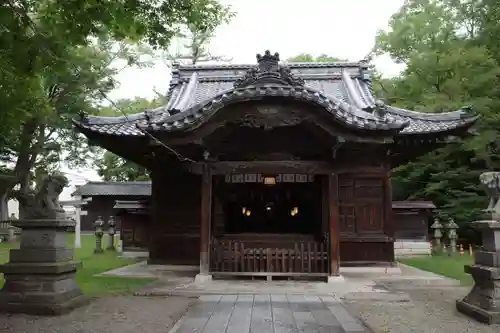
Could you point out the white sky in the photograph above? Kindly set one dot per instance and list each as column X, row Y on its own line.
column 340, row 28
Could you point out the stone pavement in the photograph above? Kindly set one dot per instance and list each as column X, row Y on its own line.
column 268, row 313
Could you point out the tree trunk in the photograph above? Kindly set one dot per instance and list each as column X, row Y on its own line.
column 29, row 148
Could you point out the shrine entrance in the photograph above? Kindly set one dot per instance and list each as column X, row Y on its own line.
column 269, row 225
column 275, row 207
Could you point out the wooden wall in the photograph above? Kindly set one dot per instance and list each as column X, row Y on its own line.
column 365, row 219
column 134, row 231
column 175, row 217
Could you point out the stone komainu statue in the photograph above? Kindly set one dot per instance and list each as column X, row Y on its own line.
column 44, row 204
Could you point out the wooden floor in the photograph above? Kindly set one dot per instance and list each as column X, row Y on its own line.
column 268, row 313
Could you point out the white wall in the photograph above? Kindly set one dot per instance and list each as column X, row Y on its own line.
column 13, row 207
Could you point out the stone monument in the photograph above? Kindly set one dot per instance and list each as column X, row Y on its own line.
column 40, row 275
column 483, row 301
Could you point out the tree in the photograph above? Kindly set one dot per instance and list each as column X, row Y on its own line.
column 56, row 60
column 448, row 65
column 36, row 35
column 46, row 136
column 305, row 57
column 192, row 46
column 112, row 167
column 193, row 49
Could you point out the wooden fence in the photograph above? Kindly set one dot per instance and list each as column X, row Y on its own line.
column 242, row 258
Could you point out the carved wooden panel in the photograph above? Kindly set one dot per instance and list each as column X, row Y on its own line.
column 361, row 204
column 259, row 178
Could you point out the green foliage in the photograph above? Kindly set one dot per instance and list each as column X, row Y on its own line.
column 305, row 57
column 112, row 167
column 448, row 51
column 58, row 58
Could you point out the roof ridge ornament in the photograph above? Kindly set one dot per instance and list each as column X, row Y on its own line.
column 268, row 70
column 380, row 109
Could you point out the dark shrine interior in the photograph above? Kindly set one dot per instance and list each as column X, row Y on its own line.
column 279, row 208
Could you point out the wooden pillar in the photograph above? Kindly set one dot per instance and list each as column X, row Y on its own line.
column 389, row 225
column 206, row 216
column 333, row 217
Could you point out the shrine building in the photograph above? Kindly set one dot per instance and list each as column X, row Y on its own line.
column 272, row 169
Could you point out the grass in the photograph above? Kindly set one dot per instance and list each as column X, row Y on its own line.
column 93, row 264
column 449, row 266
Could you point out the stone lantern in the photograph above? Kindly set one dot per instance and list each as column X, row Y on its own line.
column 483, row 301
column 111, row 233
column 98, row 234
column 438, row 233
column 452, row 227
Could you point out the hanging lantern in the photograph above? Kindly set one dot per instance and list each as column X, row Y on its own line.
column 243, row 210
column 248, row 212
column 269, row 180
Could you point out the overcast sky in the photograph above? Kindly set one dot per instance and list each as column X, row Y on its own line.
column 339, row 28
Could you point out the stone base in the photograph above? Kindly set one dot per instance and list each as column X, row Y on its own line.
column 40, row 275
column 336, row 279
column 40, row 294
column 481, row 315
column 202, row 278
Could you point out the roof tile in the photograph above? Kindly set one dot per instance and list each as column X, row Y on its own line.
column 136, row 188
column 344, row 89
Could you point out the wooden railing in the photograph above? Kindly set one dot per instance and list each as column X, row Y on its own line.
column 243, row 258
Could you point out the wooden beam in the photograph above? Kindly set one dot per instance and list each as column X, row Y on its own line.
column 206, row 216
column 277, row 167
column 334, row 231
column 271, row 167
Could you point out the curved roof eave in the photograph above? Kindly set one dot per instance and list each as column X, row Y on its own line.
column 343, row 112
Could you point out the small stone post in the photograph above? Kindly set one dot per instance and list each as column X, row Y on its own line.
column 438, row 234
column 111, row 233
column 11, row 235
column 98, row 234
column 452, row 227
column 483, row 301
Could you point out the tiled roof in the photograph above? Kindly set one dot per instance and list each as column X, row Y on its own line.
column 137, row 188
column 343, row 89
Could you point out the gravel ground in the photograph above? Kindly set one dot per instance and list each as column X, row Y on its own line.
column 412, row 309
column 130, row 314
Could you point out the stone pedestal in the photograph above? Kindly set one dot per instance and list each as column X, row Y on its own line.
column 40, row 276
column 11, row 235
column 483, row 301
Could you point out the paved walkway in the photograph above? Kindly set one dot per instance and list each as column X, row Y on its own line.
column 268, row 313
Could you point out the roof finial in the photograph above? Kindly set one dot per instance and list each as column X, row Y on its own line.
column 269, row 71
column 268, row 61
column 268, row 56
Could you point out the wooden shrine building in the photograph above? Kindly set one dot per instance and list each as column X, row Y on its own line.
column 272, row 169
